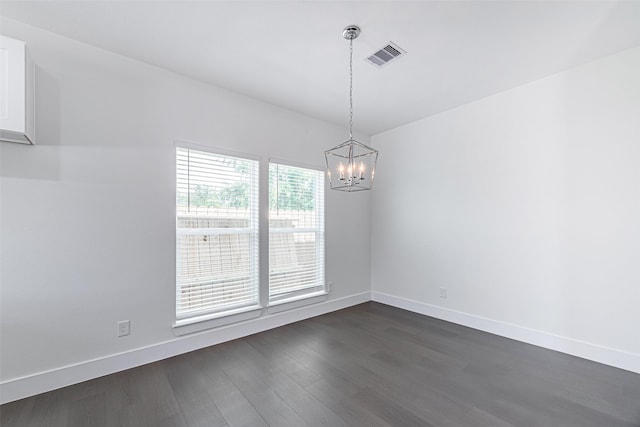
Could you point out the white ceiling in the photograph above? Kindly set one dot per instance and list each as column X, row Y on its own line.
column 292, row 54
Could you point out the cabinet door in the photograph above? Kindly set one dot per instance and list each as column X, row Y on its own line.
column 12, row 85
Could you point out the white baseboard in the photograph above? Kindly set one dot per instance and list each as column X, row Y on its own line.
column 41, row 382
column 585, row 350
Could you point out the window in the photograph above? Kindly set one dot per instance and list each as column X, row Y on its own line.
column 216, row 233
column 296, row 232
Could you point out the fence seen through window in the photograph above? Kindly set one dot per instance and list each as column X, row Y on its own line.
column 217, row 235
column 216, row 232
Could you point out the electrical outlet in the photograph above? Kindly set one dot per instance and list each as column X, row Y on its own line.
column 124, row 328
column 443, row 292
column 329, row 286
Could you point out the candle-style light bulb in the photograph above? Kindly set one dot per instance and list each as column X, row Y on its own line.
column 341, row 170
column 361, row 170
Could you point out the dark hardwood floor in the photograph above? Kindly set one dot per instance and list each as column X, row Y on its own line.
column 369, row 365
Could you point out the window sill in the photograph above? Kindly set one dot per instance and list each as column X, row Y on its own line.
column 215, row 320
column 295, row 302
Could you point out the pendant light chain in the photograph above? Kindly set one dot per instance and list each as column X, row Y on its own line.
column 351, row 88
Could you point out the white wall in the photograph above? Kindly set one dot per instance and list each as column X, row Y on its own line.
column 87, row 215
column 526, row 207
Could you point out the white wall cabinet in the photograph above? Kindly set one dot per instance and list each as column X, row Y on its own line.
column 17, row 92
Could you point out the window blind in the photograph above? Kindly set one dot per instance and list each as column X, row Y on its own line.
column 216, row 232
column 296, row 231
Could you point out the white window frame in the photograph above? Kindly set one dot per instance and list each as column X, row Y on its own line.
column 263, row 304
column 213, row 317
column 312, row 294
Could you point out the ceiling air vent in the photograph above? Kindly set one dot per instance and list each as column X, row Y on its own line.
column 387, row 54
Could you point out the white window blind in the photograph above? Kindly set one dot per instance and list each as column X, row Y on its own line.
column 296, row 231
column 216, row 232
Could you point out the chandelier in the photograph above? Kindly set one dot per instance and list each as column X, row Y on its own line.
column 351, row 166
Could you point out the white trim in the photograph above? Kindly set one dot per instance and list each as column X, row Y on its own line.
column 215, row 150
column 193, row 324
column 295, row 164
column 18, row 388
column 597, row 353
column 30, row 385
column 295, row 302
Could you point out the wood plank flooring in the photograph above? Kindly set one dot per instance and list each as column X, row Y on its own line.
column 368, row 365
